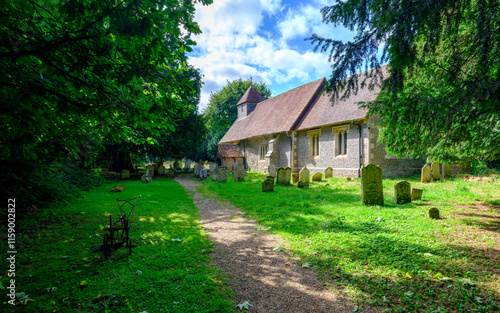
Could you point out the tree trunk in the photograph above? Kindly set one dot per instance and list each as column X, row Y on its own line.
column 119, row 161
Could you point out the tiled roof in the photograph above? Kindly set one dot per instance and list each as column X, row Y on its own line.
column 325, row 112
column 230, row 151
column 252, row 96
column 275, row 115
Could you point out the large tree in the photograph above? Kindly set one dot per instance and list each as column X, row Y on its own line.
column 221, row 112
column 442, row 97
column 80, row 71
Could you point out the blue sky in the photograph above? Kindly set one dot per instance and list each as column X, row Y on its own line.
column 262, row 39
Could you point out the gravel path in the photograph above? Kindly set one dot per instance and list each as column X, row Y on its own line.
column 269, row 280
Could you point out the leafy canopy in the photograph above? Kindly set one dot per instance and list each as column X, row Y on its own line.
column 221, row 111
column 78, row 71
column 442, row 96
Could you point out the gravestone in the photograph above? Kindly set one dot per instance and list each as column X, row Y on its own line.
column 125, row 174
column 328, row 172
column 288, row 174
column 280, row 176
column 226, row 170
column 416, row 194
column 187, row 166
column 197, row 168
column 295, row 178
column 176, row 166
column 161, row 170
column 426, row 174
column 301, row 184
column 436, row 175
column 239, row 172
column 213, row 167
column 317, row 177
column 271, row 170
column 151, row 170
column 213, row 174
column 446, row 170
column 268, row 184
column 304, row 176
column 402, row 192
column 222, row 174
column 371, row 185
column 434, row 213
column 203, row 174
column 148, row 176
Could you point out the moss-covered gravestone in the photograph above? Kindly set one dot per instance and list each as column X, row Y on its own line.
column 222, row 175
column 446, row 170
column 125, row 174
column 317, row 177
column 402, row 192
column 416, row 194
column 434, row 213
column 268, row 184
column 295, row 178
column 435, row 173
column 426, row 174
column 304, row 176
column 328, row 172
column 239, row 171
column 288, row 175
column 371, row 185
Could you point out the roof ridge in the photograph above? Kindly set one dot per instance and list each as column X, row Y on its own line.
column 251, row 95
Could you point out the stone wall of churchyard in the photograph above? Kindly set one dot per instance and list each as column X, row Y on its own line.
column 285, row 148
column 342, row 165
column 251, row 148
column 391, row 165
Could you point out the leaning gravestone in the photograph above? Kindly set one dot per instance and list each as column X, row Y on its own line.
column 239, row 172
column 402, row 192
column 288, row 173
column 203, row 174
column 371, row 185
column 426, row 174
column 317, row 177
column 271, row 170
column 125, row 174
column 416, row 194
column 328, row 172
column 436, row 175
column 446, row 170
column 280, row 176
column 222, row 175
column 161, row 170
column 268, row 184
column 304, row 176
column 197, row 168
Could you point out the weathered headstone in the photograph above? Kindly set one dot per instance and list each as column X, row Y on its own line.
column 434, row 213
column 280, row 176
column 187, row 166
column 426, row 174
column 125, row 174
column 226, row 170
column 436, row 175
column 295, row 178
column 446, row 170
column 317, row 176
column 304, row 176
column 268, row 184
column 301, row 184
column 161, row 170
column 328, row 172
column 213, row 167
column 222, row 175
column 402, row 192
column 239, row 171
column 214, row 173
column 197, row 168
column 151, row 170
column 203, row 174
column 271, row 170
column 371, row 185
column 416, row 194
column 288, row 174
column 148, row 176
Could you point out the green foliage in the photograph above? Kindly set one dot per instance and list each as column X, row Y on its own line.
column 77, row 72
column 170, row 269
column 442, row 95
column 221, row 112
column 393, row 256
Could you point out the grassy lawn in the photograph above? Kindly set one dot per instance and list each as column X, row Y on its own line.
column 169, row 270
column 395, row 257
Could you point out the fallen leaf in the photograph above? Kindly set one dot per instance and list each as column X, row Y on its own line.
column 245, row 305
column 306, row 265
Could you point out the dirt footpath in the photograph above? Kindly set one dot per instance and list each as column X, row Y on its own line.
column 268, row 280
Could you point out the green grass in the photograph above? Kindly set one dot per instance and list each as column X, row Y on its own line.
column 172, row 253
column 391, row 256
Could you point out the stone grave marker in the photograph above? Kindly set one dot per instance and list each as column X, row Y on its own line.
column 151, row 170
column 317, row 176
column 288, row 174
column 371, row 185
column 222, row 174
column 301, row 184
column 434, row 213
column 125, row 174
column 304, row 176
column 416, row 194
column 161, row 170
column 295, row 178
column 280, row 176
column 328, row 172
column 148, row 176
column 214, row 173
column 446, row 170
column 436, row 175
column 239, row 171
column 268, row 184
column 271, row 170
column 213, row 167
column 203, row 174
column 197, row 168
column 426, row 174
column 187, row 166
column 402, row 192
